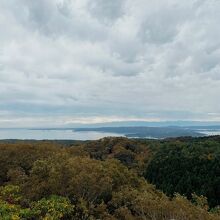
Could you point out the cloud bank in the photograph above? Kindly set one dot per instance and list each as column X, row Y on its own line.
column 67, row 61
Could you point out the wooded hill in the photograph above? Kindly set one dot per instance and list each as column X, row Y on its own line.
column 111, row 179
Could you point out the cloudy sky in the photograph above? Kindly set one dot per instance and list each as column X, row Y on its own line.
column 71, row 61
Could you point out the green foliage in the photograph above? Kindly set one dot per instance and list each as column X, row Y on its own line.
column 9, row 204
column 200, row 201
column 187, row 167
column 10, row 194
column 13, row 212
column 54, row 208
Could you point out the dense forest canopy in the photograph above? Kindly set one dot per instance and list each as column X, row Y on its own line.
column 110, row 179
column 187, row 167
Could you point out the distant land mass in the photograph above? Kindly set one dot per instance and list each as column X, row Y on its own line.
column 144, row 129
column 146, row 124
column 146, row 132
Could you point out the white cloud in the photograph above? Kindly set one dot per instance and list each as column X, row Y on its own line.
column 123, row 59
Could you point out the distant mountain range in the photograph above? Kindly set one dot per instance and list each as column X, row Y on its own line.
column 146, row 132
column 145, row 124
column 143, row 129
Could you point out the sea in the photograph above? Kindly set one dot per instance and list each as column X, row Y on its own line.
column 67, row 134
column 57, row 134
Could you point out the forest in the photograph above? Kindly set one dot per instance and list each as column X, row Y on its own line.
column 111, row 178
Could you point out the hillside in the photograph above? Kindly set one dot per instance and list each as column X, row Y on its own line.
column 110, row 179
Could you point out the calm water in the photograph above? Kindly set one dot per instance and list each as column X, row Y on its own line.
column 52, row 134
column 67, row 134
column 210, row 132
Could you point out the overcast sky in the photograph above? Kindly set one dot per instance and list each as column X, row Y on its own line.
column 71, row 61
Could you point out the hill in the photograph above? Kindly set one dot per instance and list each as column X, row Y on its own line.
column 110, row 179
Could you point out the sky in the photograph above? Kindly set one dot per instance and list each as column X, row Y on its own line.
column 91, row 61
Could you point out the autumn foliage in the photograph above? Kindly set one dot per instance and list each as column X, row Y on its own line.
column 89, row 180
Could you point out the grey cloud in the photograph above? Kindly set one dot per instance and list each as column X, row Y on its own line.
column 106, row 11
column 110, row 59
column 57, row 19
